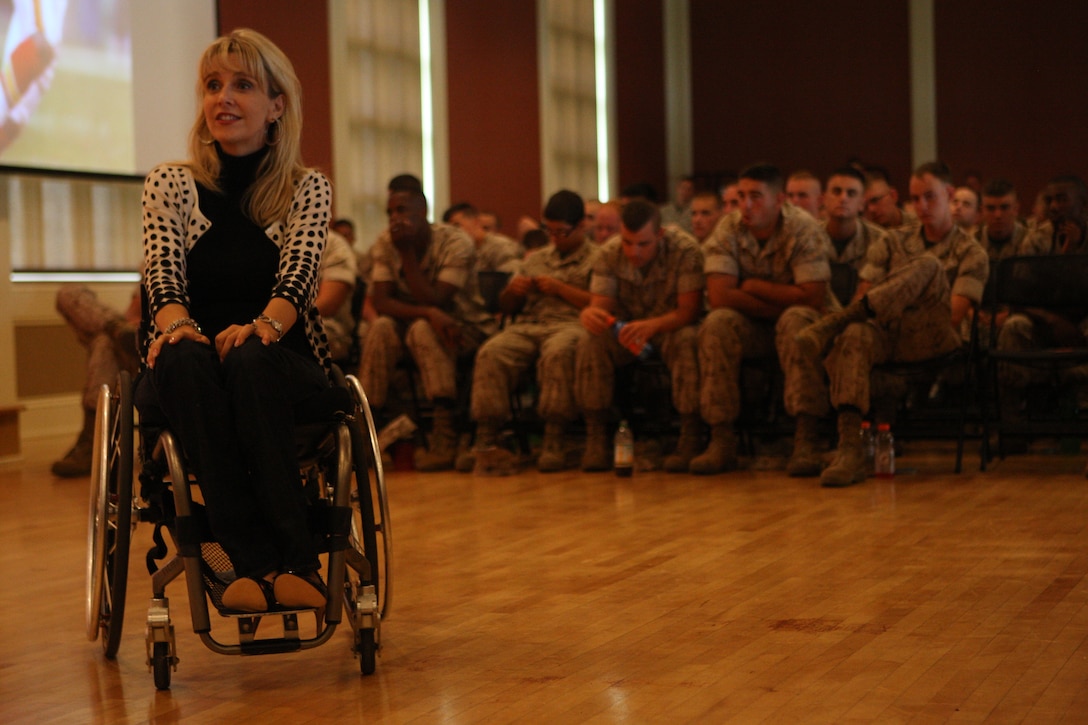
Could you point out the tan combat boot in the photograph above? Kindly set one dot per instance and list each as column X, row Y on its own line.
column 815, row 340
column 806, row 459
column 489, row 456
column 848, row 467
column 553, row 454
column 688, row 446
column 598, row 454
column 442, row 451
column 77, row 461
column 466, row 454
column 720, row 455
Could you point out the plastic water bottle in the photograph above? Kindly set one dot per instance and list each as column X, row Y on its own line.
column 868, row 445
column 623, row 451
column 884, row 459
column 642, row 354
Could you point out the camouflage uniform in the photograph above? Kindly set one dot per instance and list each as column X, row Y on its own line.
column 1018, row 333
column 547, row 329
column 672, row 214
column 92, row 322
column 853, row 253
column 498, row 253
column 911, row 299
column 1048, row 236
column 909, row 223
column 641, row 294
column 449, row 258
column 338, row 264
column 796, row 253
column 1022, row 242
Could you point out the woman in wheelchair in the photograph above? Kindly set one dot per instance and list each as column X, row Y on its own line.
column 232, row 344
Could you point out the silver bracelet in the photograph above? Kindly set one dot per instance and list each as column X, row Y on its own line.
column 271, row 322
column 183, row 322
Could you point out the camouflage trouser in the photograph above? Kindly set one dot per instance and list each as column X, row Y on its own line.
column 913, row 322
column 437, row 363
column 1019, row 334
column 598, row 356
column 805, row 383
column 89, row 318
column 339, row 336
column 726, row 337
column 503, row 358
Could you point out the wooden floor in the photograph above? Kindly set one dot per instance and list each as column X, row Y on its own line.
column 572, row 598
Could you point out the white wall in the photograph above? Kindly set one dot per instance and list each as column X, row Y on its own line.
column 168, row 37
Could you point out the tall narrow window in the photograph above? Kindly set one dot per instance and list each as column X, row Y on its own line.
column 577, row 133
column 71, row 224
column 383, row 119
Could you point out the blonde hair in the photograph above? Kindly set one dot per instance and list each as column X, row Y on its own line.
column 269, row 198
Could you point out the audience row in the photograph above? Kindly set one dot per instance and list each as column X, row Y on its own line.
column 617, row 280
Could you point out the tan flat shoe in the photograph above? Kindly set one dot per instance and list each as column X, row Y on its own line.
column 300, row 589
column 247, row 594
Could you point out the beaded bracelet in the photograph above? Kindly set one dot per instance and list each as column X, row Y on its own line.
column 183, row 322
column 271, row 322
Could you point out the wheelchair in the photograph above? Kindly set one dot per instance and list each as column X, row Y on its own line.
column 341, row 472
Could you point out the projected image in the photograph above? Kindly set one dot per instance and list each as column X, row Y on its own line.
column 66, row 76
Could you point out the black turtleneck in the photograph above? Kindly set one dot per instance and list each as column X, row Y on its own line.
column 232, row 268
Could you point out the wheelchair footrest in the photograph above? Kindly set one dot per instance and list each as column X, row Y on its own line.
column 270, row 646
column 247, row 631
column 249, row 644
column 284, row 612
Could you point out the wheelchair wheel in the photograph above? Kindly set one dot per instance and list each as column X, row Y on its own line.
column 109, row 526
column 367, row 650
column 370, row 531
column 161, row 665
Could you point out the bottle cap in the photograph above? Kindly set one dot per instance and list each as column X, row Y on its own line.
column 883, row 426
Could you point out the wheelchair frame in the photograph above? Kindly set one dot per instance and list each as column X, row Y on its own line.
column 345, row 481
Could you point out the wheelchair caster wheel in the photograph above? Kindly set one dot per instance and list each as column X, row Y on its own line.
column 367, row 651
column 161, row 665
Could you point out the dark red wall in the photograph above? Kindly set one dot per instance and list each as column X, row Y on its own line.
column 494, row 104
column 804, row 85
column 301, row 31
column 1011, row 90
column 640, row 95
column 801, row 85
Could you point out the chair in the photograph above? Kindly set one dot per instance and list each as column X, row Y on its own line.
column 341, row 473
column 1043, row 288
column 949, row 386
column 763, row 411
column 491, row 284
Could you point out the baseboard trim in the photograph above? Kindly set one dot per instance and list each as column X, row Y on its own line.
column 51, row 415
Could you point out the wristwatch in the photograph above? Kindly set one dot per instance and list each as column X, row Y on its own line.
column 271, row 322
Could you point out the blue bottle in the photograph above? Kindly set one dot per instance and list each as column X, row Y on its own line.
column 643, row 354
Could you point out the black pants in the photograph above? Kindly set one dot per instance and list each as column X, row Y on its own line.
column 235, row 422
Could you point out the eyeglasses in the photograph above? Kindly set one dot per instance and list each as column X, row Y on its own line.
column 562, row 233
